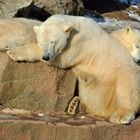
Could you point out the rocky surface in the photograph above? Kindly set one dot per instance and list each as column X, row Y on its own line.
column 73, row 7
column 8, row 8
column 40, row 9
column 124, row 14
column 117, row 19
column 65, row 128
column 34, row 86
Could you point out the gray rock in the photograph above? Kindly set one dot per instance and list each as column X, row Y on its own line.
column 73, row 7
column 8, row 8
column 40, row 9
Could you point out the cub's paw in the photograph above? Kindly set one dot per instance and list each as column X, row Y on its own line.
column 122, row 116
column 73, row 105
column 16, row 54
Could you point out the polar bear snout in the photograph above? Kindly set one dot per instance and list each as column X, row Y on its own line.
column 49, row 57
column 137, row 61
column 46, row 58
column 136, row 53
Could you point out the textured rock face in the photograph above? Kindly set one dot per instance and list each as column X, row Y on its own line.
column 12, row 128
column 34, row 86
column 74, row 7
column 40, row 9
column 8, row 8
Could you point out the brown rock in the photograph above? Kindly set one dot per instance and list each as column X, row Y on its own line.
column 54, row 128
column 34, row 86
column 123, row 14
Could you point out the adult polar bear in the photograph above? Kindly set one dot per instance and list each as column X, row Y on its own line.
column 108, row 78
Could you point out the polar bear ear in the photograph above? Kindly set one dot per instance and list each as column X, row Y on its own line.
column 36, row 28
column 67, row 28
column 128, row 29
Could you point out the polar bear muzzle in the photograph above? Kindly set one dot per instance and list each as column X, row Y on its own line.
column 49, row 57
column 46, row 58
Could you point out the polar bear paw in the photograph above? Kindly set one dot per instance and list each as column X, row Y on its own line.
column 16, row 54
column 30, row 52
column 73, row 105
column 122, row 116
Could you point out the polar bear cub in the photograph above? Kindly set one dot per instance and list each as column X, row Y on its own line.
column 130, row 38
column 108, row 78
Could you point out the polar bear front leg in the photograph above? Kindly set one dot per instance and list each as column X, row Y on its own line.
column 127, row 97
column 30, row 52
column 122, row 116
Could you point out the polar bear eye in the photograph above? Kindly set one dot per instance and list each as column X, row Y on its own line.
column 53, row 42
column 137, row 46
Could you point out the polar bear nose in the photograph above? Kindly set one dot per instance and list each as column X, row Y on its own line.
column 46, row 58
column 137, row 61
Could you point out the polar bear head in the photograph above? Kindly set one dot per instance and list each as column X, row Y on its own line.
column 52, row 37
column 130, row 37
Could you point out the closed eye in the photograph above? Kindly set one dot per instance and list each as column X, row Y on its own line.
column 137, row 46
column 53, row 42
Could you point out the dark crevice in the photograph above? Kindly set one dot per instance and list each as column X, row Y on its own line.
column 104, row 6
column 76, row 92
column 33, row 12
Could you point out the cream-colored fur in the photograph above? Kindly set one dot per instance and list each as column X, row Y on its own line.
column 108, row 78
column 18, row 33
column 29, row 52
column 130, row 38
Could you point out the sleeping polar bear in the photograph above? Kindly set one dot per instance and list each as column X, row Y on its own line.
column 109, row 80
column 130, row 38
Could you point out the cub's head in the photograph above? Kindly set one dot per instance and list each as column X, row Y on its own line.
column 52, row 38
column 130, row 37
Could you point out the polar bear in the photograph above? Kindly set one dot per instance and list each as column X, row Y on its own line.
column 109, row 80
column 18, row 32
column 130, row 38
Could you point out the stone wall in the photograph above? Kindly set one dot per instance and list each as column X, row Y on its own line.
column 34, row 86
